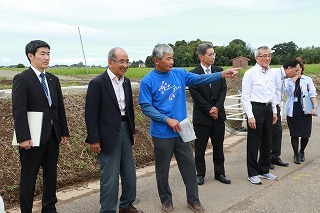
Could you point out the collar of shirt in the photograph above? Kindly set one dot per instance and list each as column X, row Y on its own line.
column 205, row 68
column 113, row 77
column 37, row 72
column 261, row 69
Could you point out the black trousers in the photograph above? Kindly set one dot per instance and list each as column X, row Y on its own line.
column 215, row 131
column 45, row 156
column 259, row 139
column 276, row 137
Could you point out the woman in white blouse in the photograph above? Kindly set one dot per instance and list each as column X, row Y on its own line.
column 299, row 121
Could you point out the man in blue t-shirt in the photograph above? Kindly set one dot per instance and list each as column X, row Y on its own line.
column 163, row 98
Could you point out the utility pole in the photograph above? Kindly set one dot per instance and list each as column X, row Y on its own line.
column 85, row 62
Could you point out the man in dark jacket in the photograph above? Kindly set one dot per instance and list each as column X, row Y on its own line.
column 110, row 124
column 35, row 90
column 209, row 115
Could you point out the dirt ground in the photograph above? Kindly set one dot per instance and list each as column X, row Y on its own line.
column 77, row 164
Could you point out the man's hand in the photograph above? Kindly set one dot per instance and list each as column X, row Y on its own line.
column 134, row 139
column 275, row 118
column 214, row 112
column 174, row 124
column 95, row 147
column 230, row 73
column 26, row 144
column 64, row 140
column 252, row 123
column 298, row 75
column 314, row 112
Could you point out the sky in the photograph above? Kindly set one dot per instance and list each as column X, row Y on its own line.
column 138, row 25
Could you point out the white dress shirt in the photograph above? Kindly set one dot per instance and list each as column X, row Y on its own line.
column 118, row 89
column 258, row 85
column 207, row 70
column 279, row 77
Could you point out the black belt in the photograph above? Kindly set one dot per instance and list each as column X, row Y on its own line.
column 265, row 104
column 124, row 118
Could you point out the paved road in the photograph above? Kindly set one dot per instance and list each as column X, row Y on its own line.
column 296, row 189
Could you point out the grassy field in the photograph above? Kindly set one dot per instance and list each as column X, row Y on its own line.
column 138, row 73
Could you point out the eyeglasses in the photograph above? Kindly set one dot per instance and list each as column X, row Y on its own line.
column 265, row 56
column 122, row 62
column 212, row 54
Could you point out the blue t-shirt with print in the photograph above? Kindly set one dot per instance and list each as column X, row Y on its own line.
column 166, row 92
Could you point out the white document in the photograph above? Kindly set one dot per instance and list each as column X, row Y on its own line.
column 35, row 127
column 187, row 133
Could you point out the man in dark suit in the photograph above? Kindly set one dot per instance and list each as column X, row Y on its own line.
column 209, row 115
column 109, row 116
column 36, row 90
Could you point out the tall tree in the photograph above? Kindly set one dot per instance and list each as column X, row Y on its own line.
column 283, row 52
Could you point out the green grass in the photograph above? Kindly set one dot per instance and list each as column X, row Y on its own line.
column 138, row 73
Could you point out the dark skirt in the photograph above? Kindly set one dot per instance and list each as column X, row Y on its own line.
column 300, row 124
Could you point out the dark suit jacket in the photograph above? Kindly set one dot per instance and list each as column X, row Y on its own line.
column 102, row 113
column 205, row 98
column 28, row 95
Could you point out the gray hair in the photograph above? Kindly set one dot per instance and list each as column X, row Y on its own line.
column 257, row 51
column 112, row 53
column 202, row 48
column 161, row 49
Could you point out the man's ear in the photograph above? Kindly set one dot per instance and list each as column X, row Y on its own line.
column 30, row 56
column 155, row 60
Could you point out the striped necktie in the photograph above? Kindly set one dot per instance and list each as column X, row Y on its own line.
column 45, row 88
column 208, row 71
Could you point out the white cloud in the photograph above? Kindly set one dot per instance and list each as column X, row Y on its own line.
column 138, row 25
column 4, row 59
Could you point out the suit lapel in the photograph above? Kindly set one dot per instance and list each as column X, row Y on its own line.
column 110, row 89
column 51, row 87
column 37, row 83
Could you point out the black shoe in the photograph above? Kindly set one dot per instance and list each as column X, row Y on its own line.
column 129, row 209
column 302, row 158
column 296, row 158
column 223, row 179
column 200, row 180
column 279, row 162
column 271, row 166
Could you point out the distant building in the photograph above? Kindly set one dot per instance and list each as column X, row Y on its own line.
column 142, row 65
column 240, row 61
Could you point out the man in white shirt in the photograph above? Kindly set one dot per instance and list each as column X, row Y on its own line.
column 258, row 101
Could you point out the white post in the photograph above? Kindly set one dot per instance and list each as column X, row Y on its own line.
column 1, row 205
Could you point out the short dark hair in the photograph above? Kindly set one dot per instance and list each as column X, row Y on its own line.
column 291, row 63
column 32, row 47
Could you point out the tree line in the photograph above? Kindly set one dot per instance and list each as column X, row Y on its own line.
column 185, row 53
